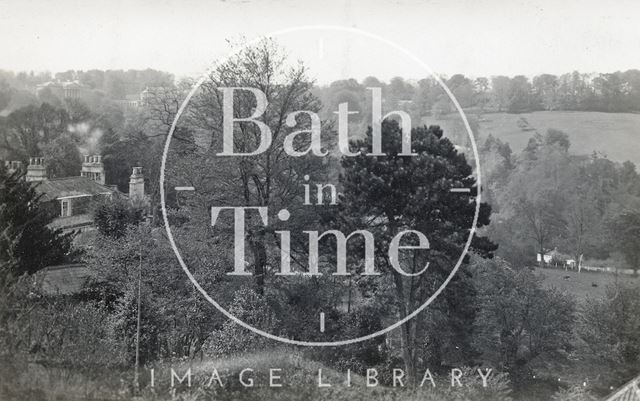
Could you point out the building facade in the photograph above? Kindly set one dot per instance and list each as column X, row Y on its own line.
column 72, row 199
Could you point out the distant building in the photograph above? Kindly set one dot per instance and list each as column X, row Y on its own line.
column 547, row 257
column 558, row 259
column 72, row 199
column 130, row 102
column 63, row 90
column 137, row 101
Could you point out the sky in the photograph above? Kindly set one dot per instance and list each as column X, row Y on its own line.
column 474, row 37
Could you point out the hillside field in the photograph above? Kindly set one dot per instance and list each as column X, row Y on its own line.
column 581, row 285
column 616, row 135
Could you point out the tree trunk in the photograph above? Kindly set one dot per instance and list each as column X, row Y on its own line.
column 256, row 244
column 407, row 331
column 407, row 345
column 542, row 262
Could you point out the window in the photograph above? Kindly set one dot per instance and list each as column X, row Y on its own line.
column 65, row 210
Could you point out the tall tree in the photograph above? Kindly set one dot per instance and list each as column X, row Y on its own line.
column 500, row 87
column 390, row 193
column 271, row 179
column 519, row 94
column 625, row 229
column 534, row 198
column 27, row 244
column 5, row 94
column 28, row 129
column 545, row 89
column 63, row 157
column 519, row 322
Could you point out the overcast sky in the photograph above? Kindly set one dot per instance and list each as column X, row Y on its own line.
column 475, row 37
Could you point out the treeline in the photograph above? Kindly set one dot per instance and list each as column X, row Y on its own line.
column 607, row 92
column 612, row 92
column 115, row 84
column 585, row 207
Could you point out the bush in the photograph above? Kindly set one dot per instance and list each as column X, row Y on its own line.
column 251, row 308
column 518, row 321
column 114, row 216
column 609, row 328
column 58, row 330
column 574, row 393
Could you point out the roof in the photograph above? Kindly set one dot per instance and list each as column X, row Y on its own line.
column 61, row 84
column 63, row 279
column 71, row 84
column 48, row 84
column 69, row 222
column 70, row 187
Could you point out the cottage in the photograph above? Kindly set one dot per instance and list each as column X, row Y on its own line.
column 71, row 198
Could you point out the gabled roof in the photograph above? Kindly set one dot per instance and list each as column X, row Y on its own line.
column 70, row 187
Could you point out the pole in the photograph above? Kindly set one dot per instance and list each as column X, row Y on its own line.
column 137, row 367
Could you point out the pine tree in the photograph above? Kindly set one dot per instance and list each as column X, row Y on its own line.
column 27, row 244
column 390, row 193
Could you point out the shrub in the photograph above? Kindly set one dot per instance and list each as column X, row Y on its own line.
column 251, row 308
column 609, row 328
column 518, row 321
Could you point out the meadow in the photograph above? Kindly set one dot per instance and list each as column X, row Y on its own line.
column 585, row 284
column 588, row 131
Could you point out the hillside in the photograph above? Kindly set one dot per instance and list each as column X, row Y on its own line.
column 616, row 135
column 585, row 284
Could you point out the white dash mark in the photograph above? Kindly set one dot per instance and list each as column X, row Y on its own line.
column 462, row 190
column 185, row 189
column 321, row 322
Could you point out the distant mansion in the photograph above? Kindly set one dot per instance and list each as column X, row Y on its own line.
column 137, row 101
column 72, row 198
column 64, row 90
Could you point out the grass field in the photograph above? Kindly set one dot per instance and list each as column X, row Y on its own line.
column 584, row 284
column 617, row 135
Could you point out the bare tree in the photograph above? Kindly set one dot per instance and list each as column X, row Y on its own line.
column 272, row 178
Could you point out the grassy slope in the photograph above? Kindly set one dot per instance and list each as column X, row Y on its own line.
column 615, row 134
column 581, row 284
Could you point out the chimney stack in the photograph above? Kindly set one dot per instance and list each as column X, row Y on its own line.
column 36, row 170
column 93, row 168
column 136, row 184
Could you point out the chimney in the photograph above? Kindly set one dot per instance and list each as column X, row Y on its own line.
column 93, row 168
column 136, row 184
column 36, row 170
column 13, row 166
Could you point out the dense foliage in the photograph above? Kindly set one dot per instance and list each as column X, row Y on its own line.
column 23, row 229
column 495, row 312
